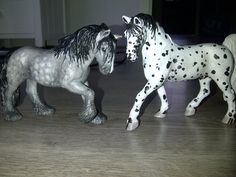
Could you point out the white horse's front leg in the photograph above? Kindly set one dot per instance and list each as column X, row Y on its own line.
column 164, row 103
column 133, row 122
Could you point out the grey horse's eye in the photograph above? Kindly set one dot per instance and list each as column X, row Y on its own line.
column 103, row 49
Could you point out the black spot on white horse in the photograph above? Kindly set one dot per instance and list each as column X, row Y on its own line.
column 146, row 89
column 175, row 60
column 168, row 65
column 148, row 44
column 216, row 57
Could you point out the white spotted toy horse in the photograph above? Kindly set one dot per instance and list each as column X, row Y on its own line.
column 163, row 60
column 67, row 66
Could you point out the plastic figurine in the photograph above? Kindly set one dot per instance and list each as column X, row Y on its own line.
column 67, row 66
column 164, row 60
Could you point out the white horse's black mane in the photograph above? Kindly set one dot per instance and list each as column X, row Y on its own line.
column 148, row 21
column 78, row 44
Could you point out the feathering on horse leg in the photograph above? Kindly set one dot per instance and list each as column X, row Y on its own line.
column 164, row 103
column 100, row 118
column 12, row 114
column 203, row 93
column 38, row 106
column 133, row 121
column 89, row 111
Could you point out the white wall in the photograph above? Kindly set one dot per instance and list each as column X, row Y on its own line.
column 85, row 12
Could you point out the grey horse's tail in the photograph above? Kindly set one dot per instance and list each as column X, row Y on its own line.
column 4, row 82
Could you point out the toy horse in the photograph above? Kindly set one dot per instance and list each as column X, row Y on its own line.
column 67, row 66
column 163, row 60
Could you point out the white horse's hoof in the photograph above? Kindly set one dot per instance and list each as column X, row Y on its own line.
column 228, row 120
column 160, row 115
column 189, row 112
column 132, row 125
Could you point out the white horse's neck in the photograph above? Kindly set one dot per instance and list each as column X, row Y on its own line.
column 160, row 37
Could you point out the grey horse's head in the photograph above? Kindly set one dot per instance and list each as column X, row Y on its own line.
column 105, row 50
column 87, row 43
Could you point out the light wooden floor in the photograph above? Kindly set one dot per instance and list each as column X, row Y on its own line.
column 62, row 146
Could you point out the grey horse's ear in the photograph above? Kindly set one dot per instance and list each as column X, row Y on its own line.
column 117, row 36
column 126, row 19
column 102, row 34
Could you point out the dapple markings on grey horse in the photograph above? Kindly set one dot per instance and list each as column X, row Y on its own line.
column 66, row 66
column 163, row 60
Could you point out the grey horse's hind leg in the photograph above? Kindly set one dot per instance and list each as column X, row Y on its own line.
column 13, row 83
column 39, row 108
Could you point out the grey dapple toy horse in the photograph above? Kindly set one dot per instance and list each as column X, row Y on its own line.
column 66, row 66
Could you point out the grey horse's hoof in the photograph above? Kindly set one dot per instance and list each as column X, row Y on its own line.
column 132, row 125
column 13, row 116
column 87, row 116
column 99, row 119
column 44, row 111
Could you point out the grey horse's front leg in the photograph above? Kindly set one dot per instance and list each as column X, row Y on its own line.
column 89, row 111
column 100, row 118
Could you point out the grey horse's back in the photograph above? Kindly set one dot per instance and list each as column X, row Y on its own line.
column 24, row 56
column 38, row 64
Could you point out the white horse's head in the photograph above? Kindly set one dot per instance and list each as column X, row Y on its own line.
column 134, row 35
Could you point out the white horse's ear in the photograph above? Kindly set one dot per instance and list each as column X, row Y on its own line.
column 117, row 36
column 126, row 19
column 138, row 22
column 102, row 34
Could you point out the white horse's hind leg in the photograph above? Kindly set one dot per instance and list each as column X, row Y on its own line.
column 164, row 103
column 39, row 108
column 203, row 93
column 229, row 97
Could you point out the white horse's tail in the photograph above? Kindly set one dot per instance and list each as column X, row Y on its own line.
column 230, row 43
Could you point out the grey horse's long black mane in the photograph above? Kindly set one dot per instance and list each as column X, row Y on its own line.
column 78, row 44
